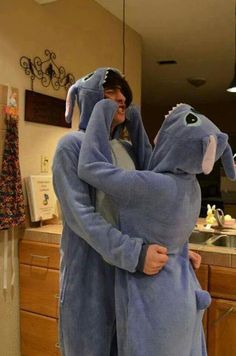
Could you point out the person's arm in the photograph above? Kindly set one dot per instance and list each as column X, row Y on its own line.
column 138, row 136
column 79, row 214
column 95, row 164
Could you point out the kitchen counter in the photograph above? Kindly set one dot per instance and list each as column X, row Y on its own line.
column 201, row 223
column 214, row 255
column 46, row 233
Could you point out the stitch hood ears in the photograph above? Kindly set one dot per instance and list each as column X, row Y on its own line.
column 88, row 90
column 188, row 142
column 228, row 163
column 210, row 157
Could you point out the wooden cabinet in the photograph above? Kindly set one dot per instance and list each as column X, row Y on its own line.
column 39, row 335
column 202, row 276
column 222, row 328
column 39, row 294
column 222, row 312
column 222, row 283
column 39, row 297
column 220, row 319
column 39, row 254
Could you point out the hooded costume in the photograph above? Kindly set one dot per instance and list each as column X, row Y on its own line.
column 160, row 314
column 87, row 308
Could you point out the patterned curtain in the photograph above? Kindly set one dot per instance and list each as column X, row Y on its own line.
column 12, row 210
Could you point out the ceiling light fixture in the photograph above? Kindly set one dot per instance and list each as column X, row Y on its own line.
column 232, row 85
column 167, row 62
column 196, row 81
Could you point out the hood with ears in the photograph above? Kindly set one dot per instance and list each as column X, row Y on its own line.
column 87, row 91
column 189, row 143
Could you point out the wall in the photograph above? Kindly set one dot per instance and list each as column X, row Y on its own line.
column 221, row 113
column 83, row 36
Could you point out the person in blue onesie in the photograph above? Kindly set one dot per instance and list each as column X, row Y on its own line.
column 159, row 315
column 91, row 247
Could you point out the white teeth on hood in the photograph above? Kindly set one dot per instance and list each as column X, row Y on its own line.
column 170, row 111
column 173, row 108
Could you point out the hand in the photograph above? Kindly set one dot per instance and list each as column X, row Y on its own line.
column 195, row 259
column 155, row 260
column 133, row 117
column 132, row 112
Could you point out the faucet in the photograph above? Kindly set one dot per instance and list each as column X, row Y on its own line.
column 213, row 239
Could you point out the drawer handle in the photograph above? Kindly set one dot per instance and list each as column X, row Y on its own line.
column 224, row 315
column 57, row 345
column 57, row 296
column 39, row 256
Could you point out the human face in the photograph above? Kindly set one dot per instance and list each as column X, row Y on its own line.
column 116, row 95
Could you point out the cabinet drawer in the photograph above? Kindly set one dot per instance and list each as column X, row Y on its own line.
column 39, row 254
column 222, row 283
column 39, row 335
column 39, row 289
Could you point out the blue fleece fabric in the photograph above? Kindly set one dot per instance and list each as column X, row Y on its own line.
column 159, row 315
column 87, row 307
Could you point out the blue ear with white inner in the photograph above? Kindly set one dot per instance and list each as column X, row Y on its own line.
column 70, row 102
column 210, row 154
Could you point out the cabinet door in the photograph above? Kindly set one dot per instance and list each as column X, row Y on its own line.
column 39, row 335
column 222, row 328
column 202, row 276
column 222, row 283
column 39, row 289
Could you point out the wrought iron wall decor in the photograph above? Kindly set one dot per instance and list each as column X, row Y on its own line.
column 47, row 71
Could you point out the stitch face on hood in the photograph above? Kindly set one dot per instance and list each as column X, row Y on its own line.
column 188, row 142
column 88, row 90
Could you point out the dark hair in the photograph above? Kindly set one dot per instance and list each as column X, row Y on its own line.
column 114, row 80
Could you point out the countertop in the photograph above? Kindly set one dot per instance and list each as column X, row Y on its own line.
column 214, row 255
column 46, row 233
column 201, row 226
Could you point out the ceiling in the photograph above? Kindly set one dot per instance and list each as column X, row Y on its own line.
column 198, row 34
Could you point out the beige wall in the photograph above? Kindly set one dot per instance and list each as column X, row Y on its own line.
column 84, row 36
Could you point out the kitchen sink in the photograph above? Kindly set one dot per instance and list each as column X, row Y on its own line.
column 198, row 237
column 224, row 241
column 209, row 239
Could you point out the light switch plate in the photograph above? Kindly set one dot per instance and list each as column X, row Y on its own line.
column 44, row 164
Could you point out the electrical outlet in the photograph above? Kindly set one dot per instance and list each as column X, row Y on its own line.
column 44, row 164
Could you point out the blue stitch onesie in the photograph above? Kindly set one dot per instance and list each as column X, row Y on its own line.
column 158, row 315
column 87, row 307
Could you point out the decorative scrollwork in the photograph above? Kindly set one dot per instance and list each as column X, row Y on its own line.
column 47, row 71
